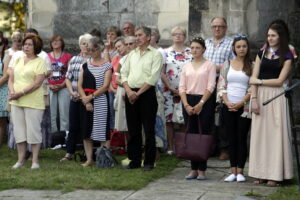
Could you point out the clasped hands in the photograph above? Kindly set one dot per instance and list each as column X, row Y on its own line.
column 132, row 96
column 56, row 88
column 234, row 107
column 194, row 110
column 15, row 95
column 86, row 100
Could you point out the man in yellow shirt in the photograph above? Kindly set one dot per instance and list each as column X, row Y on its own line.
column 140, row 74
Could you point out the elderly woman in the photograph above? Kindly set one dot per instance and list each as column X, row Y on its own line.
column 25, row 84
column 59, row 94
column 111, row 34
column 176, row 56
column 93, row 83
column 72, row 84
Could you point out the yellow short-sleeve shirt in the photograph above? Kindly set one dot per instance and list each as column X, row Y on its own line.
column 25, row 75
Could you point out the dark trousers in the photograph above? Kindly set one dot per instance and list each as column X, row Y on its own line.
column 73, row 136
column 237, row 128
column 141, row 113
column 205, row 118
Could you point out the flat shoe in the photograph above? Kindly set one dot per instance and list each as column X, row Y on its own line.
column 88, row 164
column 201, row 178
column 66, row 158
column 272, row 184
column 35, row 166
column 230, row 178
column 259, row 181
column 190, row 177
column 240, row 178
column 17, row 165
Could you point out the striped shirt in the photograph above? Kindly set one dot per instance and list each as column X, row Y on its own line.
column 220, row 53
column 73, row 72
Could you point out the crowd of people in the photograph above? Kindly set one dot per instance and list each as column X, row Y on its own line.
column 128, row 83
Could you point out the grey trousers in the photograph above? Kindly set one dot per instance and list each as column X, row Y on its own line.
column 60, row 103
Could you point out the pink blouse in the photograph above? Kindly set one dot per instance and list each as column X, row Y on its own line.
column 197, row 81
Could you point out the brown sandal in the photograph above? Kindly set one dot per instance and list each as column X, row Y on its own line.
column 66, row 158
column 273, row 183
column 259, row 181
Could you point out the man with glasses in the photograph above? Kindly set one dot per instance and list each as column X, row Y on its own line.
column 128, row 29
column 130, row 42
column 139, row 74
column 218, row 50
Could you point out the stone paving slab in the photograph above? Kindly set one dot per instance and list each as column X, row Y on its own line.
column 171, row 187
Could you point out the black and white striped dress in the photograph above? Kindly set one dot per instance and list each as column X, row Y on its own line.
column 95, row 125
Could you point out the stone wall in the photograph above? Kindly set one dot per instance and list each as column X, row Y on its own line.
column 71, row 18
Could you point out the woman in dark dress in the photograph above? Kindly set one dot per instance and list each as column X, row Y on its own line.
column 93, row 83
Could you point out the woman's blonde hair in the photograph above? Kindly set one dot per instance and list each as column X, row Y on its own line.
column 183, row 30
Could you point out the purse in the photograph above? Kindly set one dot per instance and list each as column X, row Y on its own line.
column 193, row 146
column 219, row 114
column 177, row 114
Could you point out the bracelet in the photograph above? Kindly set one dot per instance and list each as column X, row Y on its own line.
column 261, row 82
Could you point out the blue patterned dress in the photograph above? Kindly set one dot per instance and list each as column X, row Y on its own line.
column 3, row 94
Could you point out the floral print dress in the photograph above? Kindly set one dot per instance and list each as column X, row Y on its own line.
column 174, row 64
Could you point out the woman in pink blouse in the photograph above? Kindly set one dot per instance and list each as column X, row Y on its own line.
column 197, row 82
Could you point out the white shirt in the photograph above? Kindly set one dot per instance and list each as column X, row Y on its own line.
column 237, row 84
column 20, row 54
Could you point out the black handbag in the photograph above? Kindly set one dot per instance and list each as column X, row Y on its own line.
column 219, row 114
column 194, row 146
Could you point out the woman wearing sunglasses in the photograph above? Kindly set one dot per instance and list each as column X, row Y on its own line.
column 233, row 90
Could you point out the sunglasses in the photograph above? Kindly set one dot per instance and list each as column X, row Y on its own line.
column 240, row 36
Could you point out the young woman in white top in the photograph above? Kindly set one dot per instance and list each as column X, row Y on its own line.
column 233, row 88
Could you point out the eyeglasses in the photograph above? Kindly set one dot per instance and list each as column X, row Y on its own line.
column 17, row 40
column 216, row 27
column 240, row 36
column 128, row 44
column 177, row 35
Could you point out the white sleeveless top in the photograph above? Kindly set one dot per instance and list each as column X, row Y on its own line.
column 237, row 85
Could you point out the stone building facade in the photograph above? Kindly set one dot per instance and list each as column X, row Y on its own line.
column 71, row 18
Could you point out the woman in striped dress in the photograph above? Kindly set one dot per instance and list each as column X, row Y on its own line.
column 93, row 83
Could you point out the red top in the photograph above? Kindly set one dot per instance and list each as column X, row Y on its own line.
column 59, row 68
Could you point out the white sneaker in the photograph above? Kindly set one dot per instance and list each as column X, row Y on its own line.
column 230, row 178
column 170, row 152
column 240, row 178
column 17, row 165
column 35, row 166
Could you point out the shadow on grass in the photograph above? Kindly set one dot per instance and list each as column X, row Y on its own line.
column 70, row 175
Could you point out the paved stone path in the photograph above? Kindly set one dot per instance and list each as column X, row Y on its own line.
column 171, row 187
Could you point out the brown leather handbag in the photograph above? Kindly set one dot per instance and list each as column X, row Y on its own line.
column 194, row 146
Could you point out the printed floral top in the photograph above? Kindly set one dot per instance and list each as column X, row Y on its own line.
column 174, row 64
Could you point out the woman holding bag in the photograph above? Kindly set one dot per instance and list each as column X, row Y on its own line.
column 197, row 82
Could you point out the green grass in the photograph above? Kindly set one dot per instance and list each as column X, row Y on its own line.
column 286, row 193
column 70, row 175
